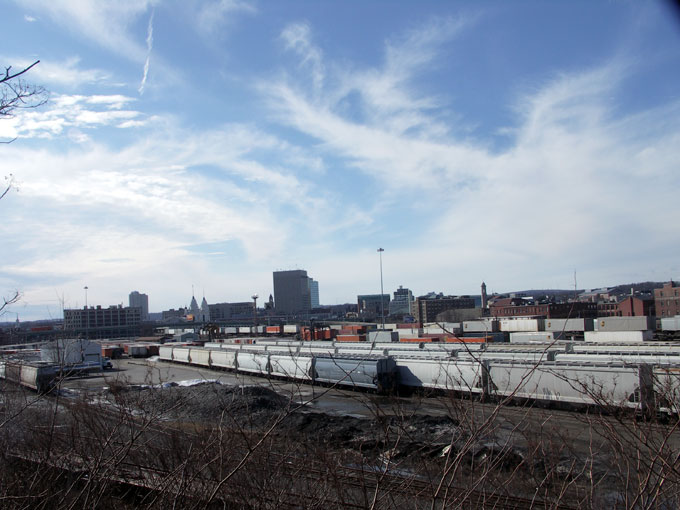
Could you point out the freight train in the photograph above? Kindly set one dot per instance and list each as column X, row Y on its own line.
column 371, row 372
column 635, row 384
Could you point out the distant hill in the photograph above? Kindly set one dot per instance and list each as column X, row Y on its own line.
column 618, row 290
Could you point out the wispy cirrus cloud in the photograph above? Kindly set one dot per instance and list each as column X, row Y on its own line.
column 214, row 14
column 571, row 152
column 297, row 37
column 106, row 23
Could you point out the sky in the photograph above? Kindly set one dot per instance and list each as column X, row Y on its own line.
column 195, row 146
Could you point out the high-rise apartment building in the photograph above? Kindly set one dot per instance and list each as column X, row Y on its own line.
column 138, row 300
column 292, row 291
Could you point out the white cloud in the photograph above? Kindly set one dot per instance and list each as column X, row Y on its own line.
column 53, row 73
column 106, row 23
column 563, row 192
column 30, row 19
column 68, row 111
column 214, row 14
column 297, row 37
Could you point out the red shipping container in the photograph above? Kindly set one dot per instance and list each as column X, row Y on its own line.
column 415, row 339
column 413, row 325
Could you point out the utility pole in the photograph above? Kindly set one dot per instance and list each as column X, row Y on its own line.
column 382, row 297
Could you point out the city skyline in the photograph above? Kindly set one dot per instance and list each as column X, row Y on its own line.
column 209, row 143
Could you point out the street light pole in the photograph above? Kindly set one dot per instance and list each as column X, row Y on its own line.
column 87, row 316
column 255, row 296
column 382, row 299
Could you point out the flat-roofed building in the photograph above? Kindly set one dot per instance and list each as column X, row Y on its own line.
column 428, row 307
column 98, row 322
column 292, row 291
column 373, row 303
column 139, row 300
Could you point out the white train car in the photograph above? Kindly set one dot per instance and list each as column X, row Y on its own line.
column 313, row 349
column 297, row 367
column 181, row 354
column 255, row 362
column 518, row 356
column 656, row 347
column 621, row 358
column 200, row 356
column 398, row 353
column 165, row 352
column 223, row 359
column 611, row 385
column 441, row 374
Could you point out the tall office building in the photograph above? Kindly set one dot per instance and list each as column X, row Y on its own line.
column 402, row 304
column 292, row 291
column 314, row 292
column 139, row 300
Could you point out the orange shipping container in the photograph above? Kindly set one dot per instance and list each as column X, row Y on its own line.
column 466, row 340
column 351, row 338
column 414, row 339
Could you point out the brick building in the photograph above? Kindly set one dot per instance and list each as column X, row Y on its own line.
column 516, row 307
column 427, row 308
column 667, row 300
column 636, row 305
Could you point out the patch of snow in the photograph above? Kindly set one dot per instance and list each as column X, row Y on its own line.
column 198, row 382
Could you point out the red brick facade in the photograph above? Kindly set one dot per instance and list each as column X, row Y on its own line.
column 667, row 300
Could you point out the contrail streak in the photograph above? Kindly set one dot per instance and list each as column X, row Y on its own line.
column 149, row 47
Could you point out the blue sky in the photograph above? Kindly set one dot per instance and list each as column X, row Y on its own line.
column 209, row 143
